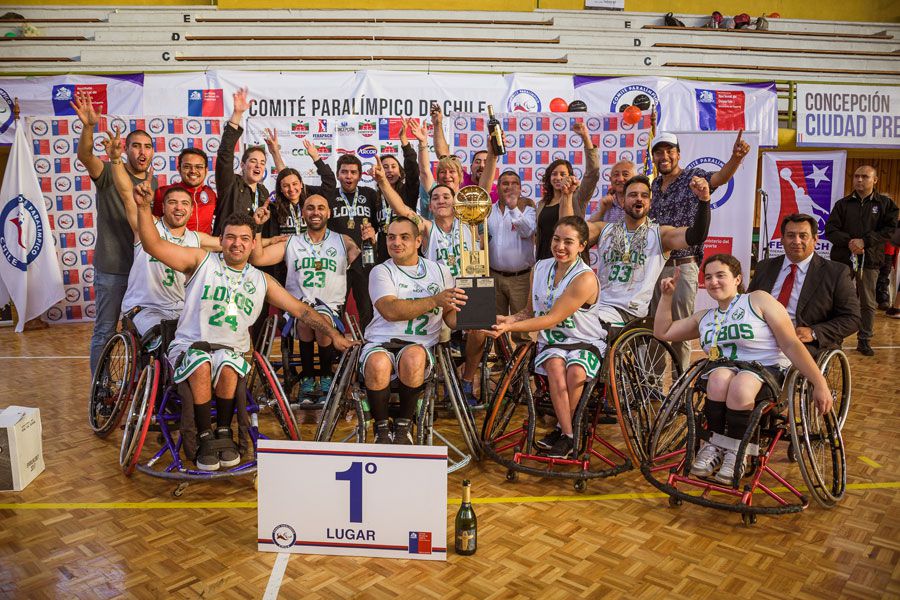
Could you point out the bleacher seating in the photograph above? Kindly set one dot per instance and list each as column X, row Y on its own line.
column 564, row 42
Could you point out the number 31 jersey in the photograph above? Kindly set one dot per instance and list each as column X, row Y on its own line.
column 317, row 270
column 220, row 304
column 151, row 284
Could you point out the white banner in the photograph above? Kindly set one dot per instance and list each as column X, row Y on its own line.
column 800, row 182
column 684, row 105
column 731, row 227
column 352, row 499
column 852, row 116
column 30, row 274
column 50, row 96
column 183, row 94
column 69, row 193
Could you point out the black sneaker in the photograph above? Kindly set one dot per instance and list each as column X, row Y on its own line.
column 382, row 432
column 207, row 458
column 549, row 440
column 403, row 432
column 562, row 448
column 228, row 457
column 893, row 313
column 864, row 348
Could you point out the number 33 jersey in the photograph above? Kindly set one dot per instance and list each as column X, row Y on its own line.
column 627, row 279
column 317, row 270
column 151, row 284
column 427, row 278
column 220, row 304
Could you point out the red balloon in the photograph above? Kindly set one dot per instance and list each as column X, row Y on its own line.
column 631, row 115
column 559, row 105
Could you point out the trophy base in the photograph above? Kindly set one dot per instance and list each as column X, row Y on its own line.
column 480, row 311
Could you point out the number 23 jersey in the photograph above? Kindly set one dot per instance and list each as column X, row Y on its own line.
column 317, row 270
column 220, row 304
column 425, row 279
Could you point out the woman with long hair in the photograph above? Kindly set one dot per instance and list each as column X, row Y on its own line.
column 745, row 328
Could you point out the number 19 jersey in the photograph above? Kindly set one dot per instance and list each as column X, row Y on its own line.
column 426, row 278
column 221, row 304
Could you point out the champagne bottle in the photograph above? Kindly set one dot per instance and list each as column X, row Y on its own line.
column 368, row 249
column 495, row 133
column 466, row 524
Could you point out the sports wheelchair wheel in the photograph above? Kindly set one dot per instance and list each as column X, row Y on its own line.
column 818, row 446
column 342, row 398
column 642, row 370
column 113, row 382
column 508, row 395
column 835, row 366
column 137, row 420
column 266, row 390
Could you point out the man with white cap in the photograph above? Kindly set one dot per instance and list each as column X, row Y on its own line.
column 675, row 204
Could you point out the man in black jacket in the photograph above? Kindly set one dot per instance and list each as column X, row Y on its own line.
column 242, row 193
column 819, row 295
column 858, row 227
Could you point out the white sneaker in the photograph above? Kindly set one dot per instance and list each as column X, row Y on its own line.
column 726, row 472
column 708, row 460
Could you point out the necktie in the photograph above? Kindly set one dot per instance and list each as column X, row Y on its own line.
column 784, row 296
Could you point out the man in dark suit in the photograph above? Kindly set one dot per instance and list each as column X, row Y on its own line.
column 818, row 293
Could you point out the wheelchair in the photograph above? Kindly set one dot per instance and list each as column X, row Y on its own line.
column 628, row 390
column 156, row 405
column 781, row 413
column 123, row 357
column 347, row 401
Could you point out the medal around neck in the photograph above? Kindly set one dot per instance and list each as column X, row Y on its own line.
column 472, row 207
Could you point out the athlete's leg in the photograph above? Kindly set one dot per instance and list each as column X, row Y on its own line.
column 377, row 370
column 411, row 371
column 474, row 349
column 559, row 392
column 575, row 378
column 225, row 388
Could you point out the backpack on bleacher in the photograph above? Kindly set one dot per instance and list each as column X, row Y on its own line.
column 670, row 21
column 742, row 21
column 762, row 23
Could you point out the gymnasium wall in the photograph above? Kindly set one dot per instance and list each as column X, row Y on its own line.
column 886, row 11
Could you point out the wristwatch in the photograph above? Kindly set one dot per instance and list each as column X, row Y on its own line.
column 815, row 339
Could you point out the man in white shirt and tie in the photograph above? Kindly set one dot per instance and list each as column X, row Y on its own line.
column 511, row 226
column 818, row 293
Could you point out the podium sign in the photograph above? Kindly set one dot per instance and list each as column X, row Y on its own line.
column 352, row 499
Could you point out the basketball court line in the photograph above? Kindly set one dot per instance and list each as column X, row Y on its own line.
column 878, row 485
column 276, row 576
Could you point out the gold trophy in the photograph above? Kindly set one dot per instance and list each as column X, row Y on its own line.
column 472, row 207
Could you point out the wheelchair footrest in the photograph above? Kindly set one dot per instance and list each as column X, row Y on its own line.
column 733, row 444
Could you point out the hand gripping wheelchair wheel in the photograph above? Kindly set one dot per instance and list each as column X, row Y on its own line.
column 113, row 382
column 266, row 390
column 835, row 366
column 642, row 370
column 138, row 417
column 817, row 444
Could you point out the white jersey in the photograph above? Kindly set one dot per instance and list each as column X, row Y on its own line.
column 221, row 304
column 317, row 270
column 742, row 334
column 584, row 325
column 426, row 278
column 151, row 284
column 629, row 284
column 444, row 247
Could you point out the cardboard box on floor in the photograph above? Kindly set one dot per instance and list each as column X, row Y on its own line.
column 21, row 451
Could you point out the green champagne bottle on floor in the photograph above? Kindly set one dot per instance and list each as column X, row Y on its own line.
column 466, row 524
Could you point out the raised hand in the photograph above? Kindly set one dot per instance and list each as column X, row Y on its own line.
column 667, row 285
column 262, row 213
column 437, row 117
column 113, row 144
column 84, row 108
column 404, row 137
column 418, row 132
column 700, row 187
column 367, row 232
column 581, row 129
column 607, row 201
column 378, row 173
column 271, row 139
column 311, row 150
column 741, row 148
column 143, row 192
column 241, row 101
column 570, row 185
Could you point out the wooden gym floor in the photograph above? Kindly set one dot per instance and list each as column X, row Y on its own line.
column 83, row 530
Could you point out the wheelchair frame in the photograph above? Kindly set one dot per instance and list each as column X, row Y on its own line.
column 676, row 436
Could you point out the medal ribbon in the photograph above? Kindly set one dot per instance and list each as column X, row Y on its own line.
column 351, row 208
column 719, row 322
column 551, row 288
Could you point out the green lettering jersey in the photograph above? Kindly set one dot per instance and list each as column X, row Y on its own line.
column 629, row 284
column 742, row 334
column 317, row 270
column 444, row 247
column 581, row 327
column 220, row 304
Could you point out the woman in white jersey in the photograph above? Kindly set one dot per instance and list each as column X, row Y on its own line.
column 563, row 307
column 752, row 327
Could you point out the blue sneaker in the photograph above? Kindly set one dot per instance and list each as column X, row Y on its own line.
column 325, row 383
column 307, row 386
column 469, row 394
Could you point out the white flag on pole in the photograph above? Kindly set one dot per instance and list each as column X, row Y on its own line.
column 29, row 269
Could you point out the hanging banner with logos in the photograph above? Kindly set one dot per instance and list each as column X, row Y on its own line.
column 800, row 182
column 184, row 94
column 732, row 204
column 684, row 105
column 70, row 194
column 40, row 96
column 852, row 116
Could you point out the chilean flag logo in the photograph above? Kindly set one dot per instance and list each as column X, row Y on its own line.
column 721, row 110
